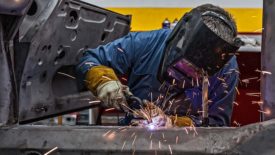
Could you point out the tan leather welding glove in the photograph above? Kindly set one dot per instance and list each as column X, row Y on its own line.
column 103, row 82
column 181, row 121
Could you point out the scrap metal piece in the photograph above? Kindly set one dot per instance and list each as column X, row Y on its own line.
column 268, row 61
column 126, row 140
column 52, row 39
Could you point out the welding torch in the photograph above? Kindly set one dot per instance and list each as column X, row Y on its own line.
column 205, row 119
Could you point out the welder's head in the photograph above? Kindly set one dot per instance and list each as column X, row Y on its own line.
column 201, row 44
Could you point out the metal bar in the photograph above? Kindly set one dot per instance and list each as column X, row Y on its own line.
column 126, row 140
column 8, row 109
column 62, row 105
column 268, row 61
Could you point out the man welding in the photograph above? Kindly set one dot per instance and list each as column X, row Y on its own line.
column 167, row 66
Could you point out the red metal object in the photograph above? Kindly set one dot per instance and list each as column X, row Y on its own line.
column 246, row 112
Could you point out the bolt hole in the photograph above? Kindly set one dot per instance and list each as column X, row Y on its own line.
column 40, row 62
column 32, row 153
column 73, row 16
column 108, row 24
column 44, row 48
column 103, row 37
column 43, row 76
column 73, row 35
column 61, row 54
column 33, row 9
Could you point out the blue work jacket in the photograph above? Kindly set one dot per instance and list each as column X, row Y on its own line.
column 139, row 54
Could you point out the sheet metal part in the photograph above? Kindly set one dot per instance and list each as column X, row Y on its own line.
column 268, row 60
column 11, row 16
column 53, row 36
column 6, row 92
column 252, row 139
column 64, row 104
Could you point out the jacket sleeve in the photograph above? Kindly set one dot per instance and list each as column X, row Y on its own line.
column 120, row 55
column 222, row 95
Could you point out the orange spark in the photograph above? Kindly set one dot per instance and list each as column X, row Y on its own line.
column 124, row 79
column 47, row 153
column 186, row 130
column 123, row 146
column 111, row 136
column 64, row 74
column 151, row 135
column 133, row 134
column 97, row 101
column 253, row 94
column 106, row 133
column 170, row 149
column 238, row 124
column 257, row 102
column 236, row 103
column 120, row 50
column 106, row 77
column 222, row 109
column 237, row 90
column 109, row 109
column 263, row 72
column 266, row 112
column 134, row 141
column 194, row 128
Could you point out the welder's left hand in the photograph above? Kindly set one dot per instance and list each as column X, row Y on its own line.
column 181, row 121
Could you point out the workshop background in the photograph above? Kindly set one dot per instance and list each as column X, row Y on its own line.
column 152, row 14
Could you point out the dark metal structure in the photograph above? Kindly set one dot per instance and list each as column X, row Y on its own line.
column 37, row 140
column 268, row 60
column 11, row 15
column 54, row 36
column 41, row 42
column 38, row 64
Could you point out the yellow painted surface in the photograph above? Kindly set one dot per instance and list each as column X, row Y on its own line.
column 248, row 20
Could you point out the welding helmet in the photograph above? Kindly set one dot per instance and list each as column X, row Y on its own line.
column 194, row 50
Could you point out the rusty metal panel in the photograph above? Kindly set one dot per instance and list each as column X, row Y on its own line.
column 248, row 140
column 268, row 60
column 57, row 32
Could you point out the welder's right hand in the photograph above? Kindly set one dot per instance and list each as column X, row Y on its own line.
column 103, row 82
column 181, row 121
